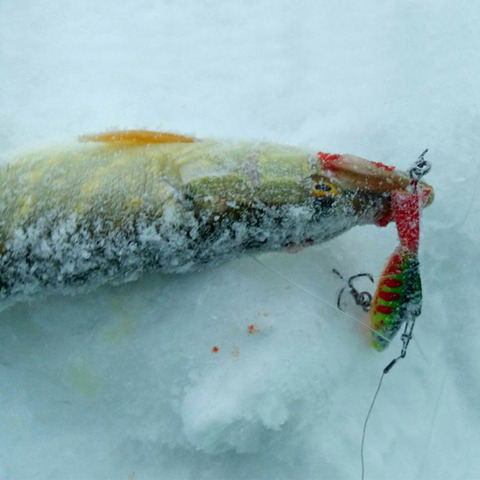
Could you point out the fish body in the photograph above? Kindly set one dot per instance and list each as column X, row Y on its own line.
column 109, row 207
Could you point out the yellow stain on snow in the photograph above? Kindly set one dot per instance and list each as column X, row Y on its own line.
column 84, row 379
column 121, row 329
column 118, row 332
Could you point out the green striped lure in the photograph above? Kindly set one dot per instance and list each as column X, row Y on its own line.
column 398, row 297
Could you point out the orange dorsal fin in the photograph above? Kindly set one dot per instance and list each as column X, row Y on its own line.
column 136, row 137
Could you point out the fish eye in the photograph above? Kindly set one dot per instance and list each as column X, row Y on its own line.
column 322, row 188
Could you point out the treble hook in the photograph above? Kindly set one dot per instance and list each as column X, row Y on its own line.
column 363, row 299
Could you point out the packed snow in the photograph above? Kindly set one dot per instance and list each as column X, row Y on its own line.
column 247, row 370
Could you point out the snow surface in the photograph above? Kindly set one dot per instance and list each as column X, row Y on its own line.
column 123, row 383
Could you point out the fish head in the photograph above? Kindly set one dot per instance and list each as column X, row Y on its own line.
column 362, row 188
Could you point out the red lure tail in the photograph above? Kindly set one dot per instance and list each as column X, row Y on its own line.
column 399, row 292
column 407, row 209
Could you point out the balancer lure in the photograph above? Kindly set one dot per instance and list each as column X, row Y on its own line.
column 398, row 298
column 112, row 206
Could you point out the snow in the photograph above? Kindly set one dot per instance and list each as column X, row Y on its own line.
column 123, row 382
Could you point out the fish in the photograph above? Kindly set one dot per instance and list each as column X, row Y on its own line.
column 108, row 207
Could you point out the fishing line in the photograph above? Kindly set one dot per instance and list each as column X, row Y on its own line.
column 459, row 225
column 366, row 421
column 472, row 199
column 432, row 424
column 406, row 337
column 403, row 295
column 314, row 295
column 407, row 216
column 477, row 97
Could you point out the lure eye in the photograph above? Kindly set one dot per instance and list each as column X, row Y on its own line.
column 322, row 188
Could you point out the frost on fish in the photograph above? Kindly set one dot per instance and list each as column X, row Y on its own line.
column 116, row 205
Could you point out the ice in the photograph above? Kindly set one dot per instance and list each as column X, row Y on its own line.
column 123, row 382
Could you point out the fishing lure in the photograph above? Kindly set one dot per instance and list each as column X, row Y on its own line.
column 398, row 297
column 111, row 206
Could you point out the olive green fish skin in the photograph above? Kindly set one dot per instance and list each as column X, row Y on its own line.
column 85, row 215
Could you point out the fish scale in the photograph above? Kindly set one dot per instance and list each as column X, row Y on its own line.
column 109, row 207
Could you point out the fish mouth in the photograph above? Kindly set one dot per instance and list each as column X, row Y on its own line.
column 352, row 173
